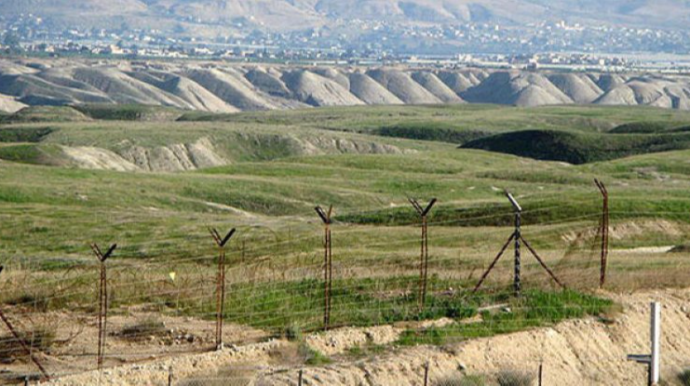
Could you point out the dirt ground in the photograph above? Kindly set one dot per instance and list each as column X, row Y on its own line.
column 579, row 352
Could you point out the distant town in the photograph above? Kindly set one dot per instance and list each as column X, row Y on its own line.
column 546, row 45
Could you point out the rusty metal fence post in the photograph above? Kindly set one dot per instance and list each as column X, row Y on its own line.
column 328, row 263
column 604, row 232
column 21, row 342
column 424, row 250
column 220, row 283
column 102, row 300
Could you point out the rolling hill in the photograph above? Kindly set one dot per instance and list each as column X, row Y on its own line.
column 229, row 88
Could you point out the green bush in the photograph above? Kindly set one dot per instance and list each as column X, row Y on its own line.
column 460, row 380
column 515, row 378
column 293, row 333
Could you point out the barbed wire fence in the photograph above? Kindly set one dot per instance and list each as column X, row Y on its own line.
column 277, row 287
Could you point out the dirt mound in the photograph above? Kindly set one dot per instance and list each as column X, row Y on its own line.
column 216, row 87
column 619, row 95
column 334, row 75
column 403, row 86
column 436, row 87
column 124, row 89
column 516, row 88
column 455, row 81
column 268, row 83
column 195, row 96
column 34, row 90
column 371, row 92
column 608, row 82
column 316, row 90
column 580, row 88
column 237, row 92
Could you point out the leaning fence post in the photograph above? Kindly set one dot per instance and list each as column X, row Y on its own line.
column 220, row 283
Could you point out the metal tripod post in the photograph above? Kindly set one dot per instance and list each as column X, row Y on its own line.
column 519, row 240
column 517, row 279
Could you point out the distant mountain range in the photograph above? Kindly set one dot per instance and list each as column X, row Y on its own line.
column 232, row 88
column 284, row 15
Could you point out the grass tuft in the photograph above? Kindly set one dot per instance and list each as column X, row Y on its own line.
column 515, row 378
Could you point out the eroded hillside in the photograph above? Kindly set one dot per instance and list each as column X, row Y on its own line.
column 225, row 88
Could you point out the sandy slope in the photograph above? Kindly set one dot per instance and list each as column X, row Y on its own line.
column 584, row 352
column 9, row 104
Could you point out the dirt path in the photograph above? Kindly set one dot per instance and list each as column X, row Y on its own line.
column 584, row 352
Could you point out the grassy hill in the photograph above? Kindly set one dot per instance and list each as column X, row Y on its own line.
column 579, row 148
column 277, row 166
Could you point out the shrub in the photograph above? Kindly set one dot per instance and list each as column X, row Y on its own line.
column 144, row 329
column 684, row 377
column 459, row 380
column 515, row 378
column 293, row 333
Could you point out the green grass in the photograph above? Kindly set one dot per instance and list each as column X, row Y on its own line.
column 129, row 112
column 53, row 114
column 533, row 309
column 283, row 164
column 354, row 303
column 641, row 128
column 470, row 117
column 21, row 134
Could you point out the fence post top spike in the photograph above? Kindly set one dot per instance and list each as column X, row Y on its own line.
column 429, row 206
column 109, row 252
column 214, row 234
column 227, row 237
column 97, row 251
column 324, row 217
column 513, row 201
